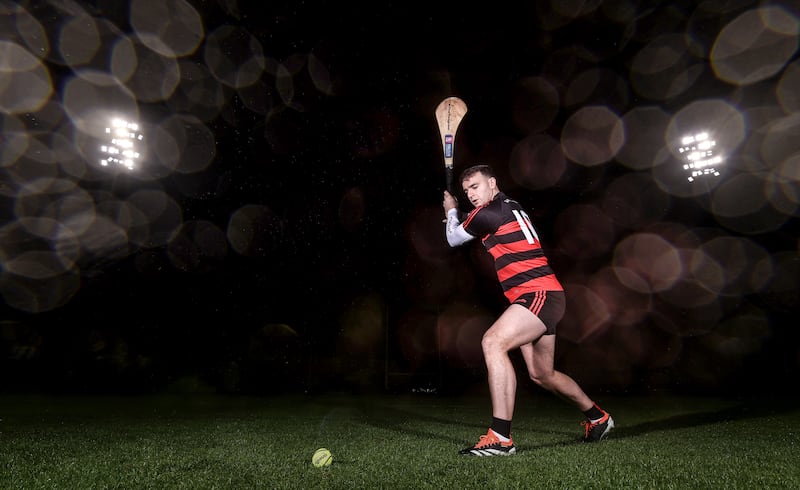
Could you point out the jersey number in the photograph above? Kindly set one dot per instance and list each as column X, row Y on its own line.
column 526, row 226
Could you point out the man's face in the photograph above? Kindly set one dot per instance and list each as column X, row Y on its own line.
column 479, row 189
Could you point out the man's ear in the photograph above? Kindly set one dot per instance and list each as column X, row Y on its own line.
column 492, row 183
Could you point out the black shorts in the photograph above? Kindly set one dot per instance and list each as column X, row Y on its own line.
column 549, row 306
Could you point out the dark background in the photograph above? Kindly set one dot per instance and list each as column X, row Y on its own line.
column 349, row 282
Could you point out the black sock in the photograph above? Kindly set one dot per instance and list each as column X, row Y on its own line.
column 594, row 413
column 502, row 427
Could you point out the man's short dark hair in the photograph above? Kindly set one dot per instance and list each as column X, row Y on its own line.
column 475, row 169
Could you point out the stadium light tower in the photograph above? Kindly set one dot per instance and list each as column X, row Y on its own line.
column 121, row 148
column 698, row 154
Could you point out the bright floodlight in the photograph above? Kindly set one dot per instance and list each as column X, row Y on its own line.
column 698, row 152
column 121, row 148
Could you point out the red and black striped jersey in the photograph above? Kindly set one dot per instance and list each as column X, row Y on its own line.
column 509, row 236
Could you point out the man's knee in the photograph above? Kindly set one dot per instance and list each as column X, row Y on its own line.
column 542, row 378
column 492, row 343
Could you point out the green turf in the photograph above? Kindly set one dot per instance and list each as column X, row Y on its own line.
column 382, row 441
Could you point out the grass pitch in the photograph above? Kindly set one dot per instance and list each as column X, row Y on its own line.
column 383, row 441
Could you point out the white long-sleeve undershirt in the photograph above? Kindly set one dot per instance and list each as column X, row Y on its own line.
column 454, row 230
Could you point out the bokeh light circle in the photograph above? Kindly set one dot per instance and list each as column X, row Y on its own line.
column 172, row 28
column 755, row 45
column 592, row 136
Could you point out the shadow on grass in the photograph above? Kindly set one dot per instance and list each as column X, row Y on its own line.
column 388, row 417
column 396, row 419
column 744, row 410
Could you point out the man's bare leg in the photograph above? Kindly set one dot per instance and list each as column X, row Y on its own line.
column 516, row 327
column 539, row 358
